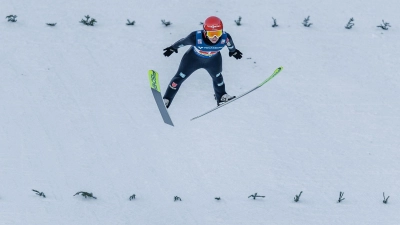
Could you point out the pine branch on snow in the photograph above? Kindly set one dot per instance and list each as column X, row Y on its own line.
column 238, row 21
column 340, row 197
column 130, row 23
column 256, row 196
column 85, row 194
column 297, row 198
column 305, row 22
column 385, row 200
column 385, row 25
column 350, row 24
column 274, row 25
column 39, row 193
column 11, row 18
column 166, row 23
column 89, row 21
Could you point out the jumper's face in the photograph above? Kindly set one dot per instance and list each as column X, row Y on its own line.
column 214, row 35
column 213, row 39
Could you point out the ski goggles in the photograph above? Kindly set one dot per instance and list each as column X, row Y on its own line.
column 213, row 33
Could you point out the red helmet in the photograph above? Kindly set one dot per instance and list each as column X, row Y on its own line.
column 212, row 23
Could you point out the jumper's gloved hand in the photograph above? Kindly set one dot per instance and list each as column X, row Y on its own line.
column 237, row 54
column 169, row 51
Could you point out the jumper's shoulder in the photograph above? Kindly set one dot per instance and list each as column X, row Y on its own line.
column 193, row 35
column 228, row 35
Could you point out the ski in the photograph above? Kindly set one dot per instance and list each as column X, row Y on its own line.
column 237, row 97
column 155, row 89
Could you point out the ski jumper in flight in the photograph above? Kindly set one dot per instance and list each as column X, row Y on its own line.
column 204, row 53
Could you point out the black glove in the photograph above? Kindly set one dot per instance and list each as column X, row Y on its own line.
column 237, row 54
column 169, row 51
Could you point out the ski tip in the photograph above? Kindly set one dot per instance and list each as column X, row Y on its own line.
column 154, row 82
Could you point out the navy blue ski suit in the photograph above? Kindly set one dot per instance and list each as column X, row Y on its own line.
column 202, row 54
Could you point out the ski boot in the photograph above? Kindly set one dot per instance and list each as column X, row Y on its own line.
column 166, row 102
column 225, row 98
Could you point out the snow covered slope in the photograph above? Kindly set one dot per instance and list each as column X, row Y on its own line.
column 77, row 114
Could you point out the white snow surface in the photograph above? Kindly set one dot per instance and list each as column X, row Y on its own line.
column 77, row 114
